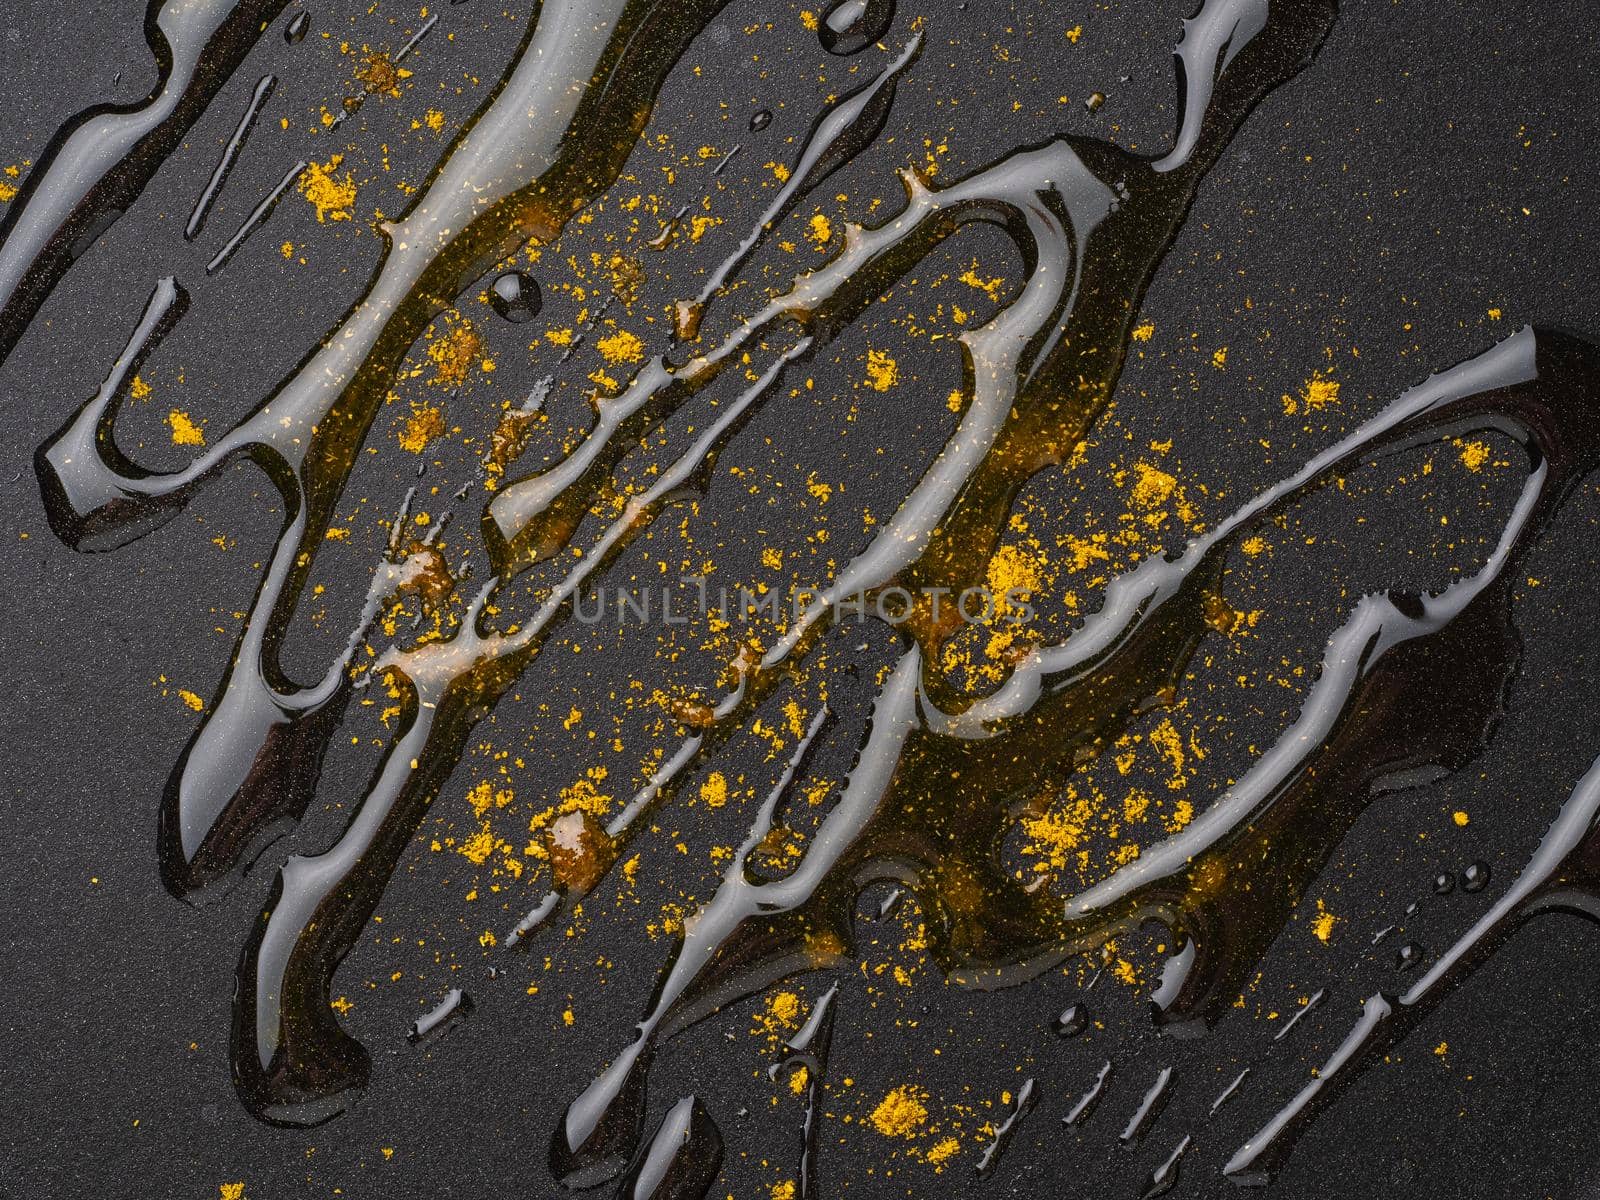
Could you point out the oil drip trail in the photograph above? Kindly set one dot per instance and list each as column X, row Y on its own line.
column 101, row 159
column 256, row 218
column 601, row 1125
column 1561, row 876
column 809, row 1050
column 1165, row 1177
column 918, row 821
column 1376, row 627
column 1211, row 39
column 230, row 152
column 681, row 1161
column 1086, row 1104
column 455, row 1006
column 532, row 518
column 293, row 1063
column 203, row 842
column 841, row 132
column 1032, row 340
column 1134, row 598
column 989, row 1162
column 1150, row 1107
column 416, row 38
column 1229, row 1092
column 478, row 205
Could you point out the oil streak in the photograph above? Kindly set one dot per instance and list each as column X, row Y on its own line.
column 1090, row 1100
column 989, row 1161
column 681, row 1161
column 1562, row 876
column 1150, row 1108
column 1092, row 223
column 101, row 159
column 230, row 152
column 845, row 128
column 256, row 218
column 808, row 1050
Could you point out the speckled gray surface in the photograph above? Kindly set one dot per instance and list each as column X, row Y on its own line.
column 1430, row 166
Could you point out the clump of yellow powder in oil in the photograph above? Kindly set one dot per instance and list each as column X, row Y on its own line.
column 1473, row 455
column 454, row 353
column 422, row 426
column 380, row 77
column 902, row 1112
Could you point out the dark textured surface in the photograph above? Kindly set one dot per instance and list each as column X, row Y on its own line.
column 1431, row 165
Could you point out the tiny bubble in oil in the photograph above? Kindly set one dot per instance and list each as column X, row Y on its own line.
column 848, row 26
column 295, row 30
column 1476, row 877
column 1074, row 1019
column 1407, row 956
column 760, row 119
column 516, row 297
column 1444, row 883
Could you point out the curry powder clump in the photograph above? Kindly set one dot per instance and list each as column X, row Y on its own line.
column 902, row 1112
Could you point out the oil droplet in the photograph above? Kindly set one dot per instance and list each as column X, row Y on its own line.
column 295, row 31
column 515, row 296
column 438, row 1021
column 852, row 25
column 1074, row 1019
column 1021, row 1107
column 1444, row 883
column 760, row 119
column 1081, row 1111
column 1476, row 877
column 1095, row 100
column 1407, row 956
column 681, row 1161
column 1149, row 1110
column 1165, row 1177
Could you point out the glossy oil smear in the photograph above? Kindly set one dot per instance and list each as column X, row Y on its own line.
column 1408, row 680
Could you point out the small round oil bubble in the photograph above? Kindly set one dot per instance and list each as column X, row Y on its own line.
column 515, row 296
